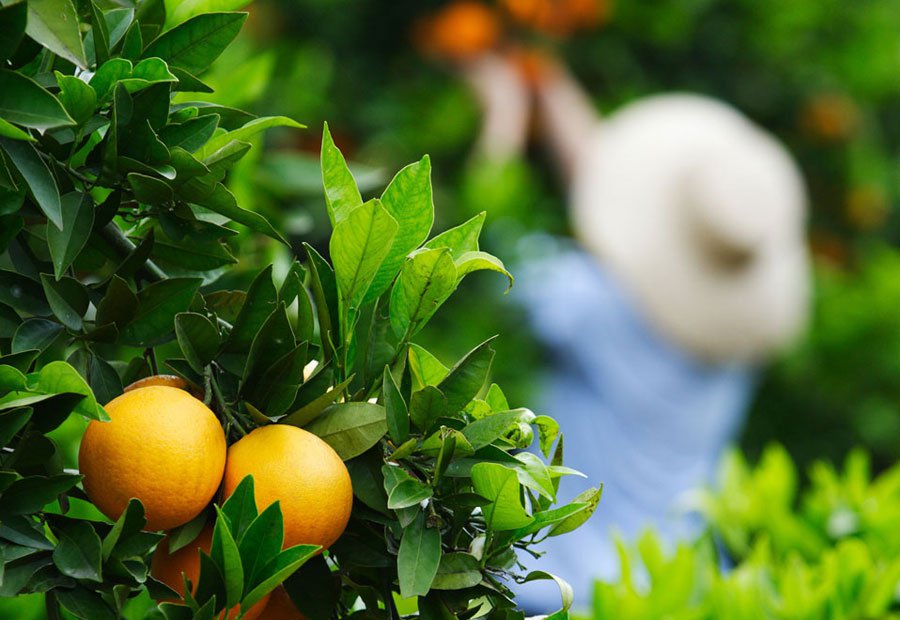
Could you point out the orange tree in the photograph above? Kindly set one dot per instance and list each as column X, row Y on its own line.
column 117, row 230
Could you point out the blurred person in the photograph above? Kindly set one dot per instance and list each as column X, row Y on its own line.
column 688, row 269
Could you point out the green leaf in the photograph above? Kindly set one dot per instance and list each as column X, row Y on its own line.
column 550, row 517
column 261, row 542
column 59, row 377
column 310, row 411
column 259, row 304
column 78, row 554
column 395, row 407
column 177, row 11
column 500, row 485
column 278, row 569
column 535, row 475
column 11, row 379
column 426, row 406
column 467, row 377
column 35, row 334
column 548, row 431
column 591, row 497
column 358, row 246
column 341, row 193
column 32, row 493
column 565, row 589
column 13, row 18
column 190, row 135
column 418, row 558
column 130, row 522
column 485, row 431
column 183, row 535
column 150, row 190
column 24, row 102
column 456, row 572
column 240, row 507
column 157, row 306
column 461, row 239
column 67, row 242
column 478, row 261
column 41, row 183
column 198, row 339
column 224, row 552
column 408, row 199
column 108, row 75
column 244, row 133
column 427, row 279
column 54, row 24
column 119, row 305
column 274, row 339
column 98, row 36
column 196, row 43
column 67, row 298
column 77, row 97
column 223, row 202
column 83, row 603
column 425, row 368
column 403, row 490
column 8, row 130
column 350, row 428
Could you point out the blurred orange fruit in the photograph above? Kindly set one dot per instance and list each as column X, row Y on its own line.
column 171, row 568
column 301, row 471
column 558, row 17
column 830, row 116
column 162, row 446
column 460, row 30
column 281, row 607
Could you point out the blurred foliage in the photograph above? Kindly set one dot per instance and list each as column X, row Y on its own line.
column 829, row 551
column 839, row 388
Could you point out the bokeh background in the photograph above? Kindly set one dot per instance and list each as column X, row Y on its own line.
column 822, row 75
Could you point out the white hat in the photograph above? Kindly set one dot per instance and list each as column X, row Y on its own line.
column 701, row 215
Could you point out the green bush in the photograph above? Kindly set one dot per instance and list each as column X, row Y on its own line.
column 123, row 253
column 829, row 551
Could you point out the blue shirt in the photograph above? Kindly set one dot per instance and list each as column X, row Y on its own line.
column 638, row 415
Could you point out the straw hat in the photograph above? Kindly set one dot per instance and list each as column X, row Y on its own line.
column 700, row 214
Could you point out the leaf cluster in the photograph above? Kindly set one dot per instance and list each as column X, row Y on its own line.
column 119, row 238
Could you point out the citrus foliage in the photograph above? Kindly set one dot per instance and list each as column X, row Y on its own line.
column 829, row 551
column 117, row 225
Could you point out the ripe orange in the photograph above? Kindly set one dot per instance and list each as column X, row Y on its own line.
column 303, row 472
column 162, row 446
column 461, row 30
column 171, row 568
column 281, row 607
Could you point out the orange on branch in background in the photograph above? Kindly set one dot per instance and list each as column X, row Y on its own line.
column 459, row 31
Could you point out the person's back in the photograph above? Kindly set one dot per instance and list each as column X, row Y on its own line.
column 640, row 416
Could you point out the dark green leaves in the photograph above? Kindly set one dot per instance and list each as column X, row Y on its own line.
column 157, row 306
column 77, row 554
column 67, row 241
column 500, row 485
column 196, row 43
column 198, row 339
column 40, row 182
column 24, row 102
column 395, row 407
column 54, row 24
column 12, row 27
column 418, row 558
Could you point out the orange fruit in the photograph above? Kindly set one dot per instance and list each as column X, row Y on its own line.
column 461, row 30
column 171, row 568
column 281, row 607
column 162, row 446
column 300, row 470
